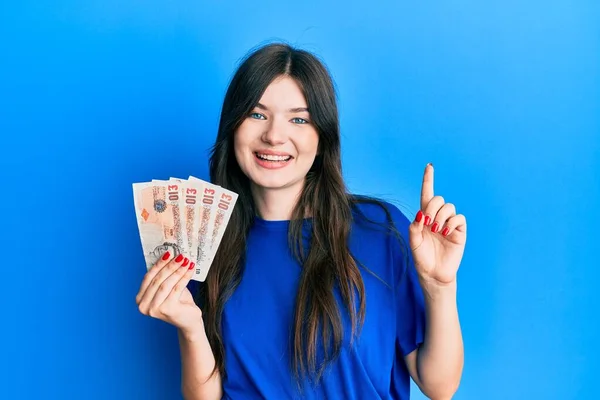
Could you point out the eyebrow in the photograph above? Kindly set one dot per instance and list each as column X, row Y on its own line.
column 294, row 110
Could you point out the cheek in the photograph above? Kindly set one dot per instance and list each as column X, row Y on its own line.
column 242, row 140
column 244, row 136
column 310, row 144
column 238, row 146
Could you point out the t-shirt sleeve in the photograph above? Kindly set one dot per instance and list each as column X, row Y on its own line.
column 410, row 306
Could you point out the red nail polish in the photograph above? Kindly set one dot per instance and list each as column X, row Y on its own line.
column 434, row 227
column 419, row 216
column 192, row 265
column 427, row 220
column 179, row 258
column 446, row 231
column 166, row 256
column 185, row 262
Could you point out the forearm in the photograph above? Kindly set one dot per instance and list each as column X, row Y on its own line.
column 440, row 359
column 197, row 364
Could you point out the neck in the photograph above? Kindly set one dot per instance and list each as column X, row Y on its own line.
column 276, row 204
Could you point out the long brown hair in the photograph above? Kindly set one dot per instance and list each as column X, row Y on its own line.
column 327, row 264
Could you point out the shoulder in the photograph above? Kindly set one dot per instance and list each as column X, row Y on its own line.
column 380, row 221
column 373, row 211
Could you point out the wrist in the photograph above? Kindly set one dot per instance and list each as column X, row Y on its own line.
column 434, row 290
column 193, row 335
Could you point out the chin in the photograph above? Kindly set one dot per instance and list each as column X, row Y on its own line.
column 271, row 184
column 275, row 183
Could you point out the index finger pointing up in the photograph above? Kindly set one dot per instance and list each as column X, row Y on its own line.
column 427, row 188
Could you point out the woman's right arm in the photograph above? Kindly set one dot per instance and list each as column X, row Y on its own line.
column 197, row 364
column 164, row 295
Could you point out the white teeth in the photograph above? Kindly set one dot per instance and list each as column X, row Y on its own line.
column 273, row 158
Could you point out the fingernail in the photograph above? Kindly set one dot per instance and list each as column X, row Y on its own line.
column 419, row 216
column 446, row 231
column 434, row 227
column 179, row 258
column 185, row 262
column 166, row 256
column 192, row 265
column 427, row 220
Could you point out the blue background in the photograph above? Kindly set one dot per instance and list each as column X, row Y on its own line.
column 503, row 98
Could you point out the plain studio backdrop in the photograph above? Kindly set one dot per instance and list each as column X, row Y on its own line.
column 503, row 98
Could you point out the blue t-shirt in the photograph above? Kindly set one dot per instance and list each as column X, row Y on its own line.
column 258, row 318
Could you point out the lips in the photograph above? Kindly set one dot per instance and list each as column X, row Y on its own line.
column 272, row 160
column 274, row 156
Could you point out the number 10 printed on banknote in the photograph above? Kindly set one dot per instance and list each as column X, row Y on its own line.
column 183, row 216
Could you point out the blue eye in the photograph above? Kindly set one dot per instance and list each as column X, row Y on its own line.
column 257, row 116
column 302, row 120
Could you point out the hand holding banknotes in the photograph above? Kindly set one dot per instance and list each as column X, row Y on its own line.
column 164, row 294
column 181, row 223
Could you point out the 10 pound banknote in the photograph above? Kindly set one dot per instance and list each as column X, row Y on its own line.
column 183, row 216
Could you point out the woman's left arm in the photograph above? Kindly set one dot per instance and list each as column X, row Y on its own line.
column 436, row 366
column 437, row 239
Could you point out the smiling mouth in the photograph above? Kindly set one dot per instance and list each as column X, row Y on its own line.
column 272, row 158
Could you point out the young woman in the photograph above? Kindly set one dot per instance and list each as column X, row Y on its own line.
column 314, row 293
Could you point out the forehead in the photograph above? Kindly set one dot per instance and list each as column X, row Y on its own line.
column 283, row 93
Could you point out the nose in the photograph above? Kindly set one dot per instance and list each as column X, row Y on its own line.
column 275, row 133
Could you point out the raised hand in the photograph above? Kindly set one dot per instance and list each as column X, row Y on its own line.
column 437, row 236
column 164, row 294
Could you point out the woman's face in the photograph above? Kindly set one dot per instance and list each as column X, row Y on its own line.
column 277, row 143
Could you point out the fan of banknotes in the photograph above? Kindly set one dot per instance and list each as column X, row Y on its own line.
column 183, row 216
